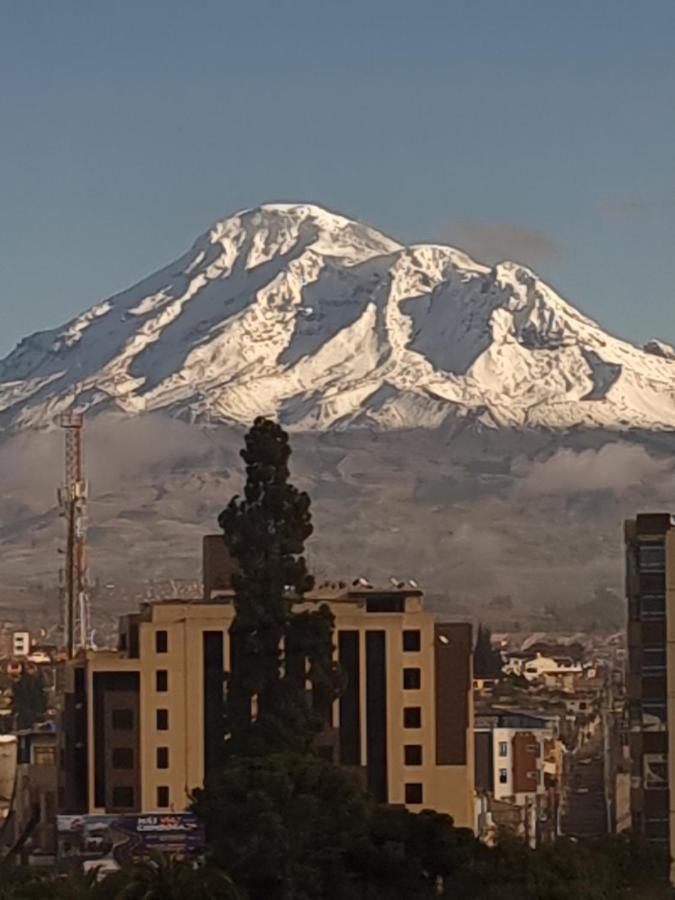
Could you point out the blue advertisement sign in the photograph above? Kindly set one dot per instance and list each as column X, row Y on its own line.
column 113, row 840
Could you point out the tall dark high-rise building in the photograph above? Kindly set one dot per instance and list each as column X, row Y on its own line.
column 650, row 589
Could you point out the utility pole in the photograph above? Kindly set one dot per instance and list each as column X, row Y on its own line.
column 73, row 501
column 607, row 734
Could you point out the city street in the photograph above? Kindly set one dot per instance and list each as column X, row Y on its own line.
column 584, row 813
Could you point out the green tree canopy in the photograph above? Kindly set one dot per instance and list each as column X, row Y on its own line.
column 276, row 651
column 487, row 660
column 294, row 827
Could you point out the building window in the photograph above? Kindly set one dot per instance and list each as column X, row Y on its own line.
column 653, row 606
column 44, row 756
column 161, row 642
column 412, row 717
column 652, row 557
column 412, row 679
column 123, row 797
column 162, row 797
column 414, row 793
column 386, row 603
column 654, row 716
column 503, row 748
column 133, row 641
column 122, row 719
column 162, row 680
column 412, row 640
column 122, row 758
column 162, row 719
column 162, row 757
column 654, row 659
column 412, row 754
column 503, row 776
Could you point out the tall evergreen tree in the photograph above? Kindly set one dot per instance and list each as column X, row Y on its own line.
column 274, row 650
column 487, row 660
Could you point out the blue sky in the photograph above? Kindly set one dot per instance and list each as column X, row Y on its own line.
column 538, row 129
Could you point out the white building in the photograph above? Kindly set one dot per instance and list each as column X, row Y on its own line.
column 20, row 643
column 550, row 667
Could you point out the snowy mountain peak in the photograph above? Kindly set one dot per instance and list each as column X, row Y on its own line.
column 293, row 311
column 278, row 228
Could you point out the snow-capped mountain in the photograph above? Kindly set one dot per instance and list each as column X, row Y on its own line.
column 291, row 311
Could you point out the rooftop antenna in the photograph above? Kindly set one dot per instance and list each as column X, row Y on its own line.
column 73, row 501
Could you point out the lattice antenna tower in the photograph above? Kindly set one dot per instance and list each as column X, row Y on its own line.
column 73, row 502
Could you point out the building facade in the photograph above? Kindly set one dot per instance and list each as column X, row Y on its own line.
column 142, row 725
column 650, row 589
column 36, row 791
column 511, row 750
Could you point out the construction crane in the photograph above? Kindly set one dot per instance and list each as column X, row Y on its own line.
column 73, row 501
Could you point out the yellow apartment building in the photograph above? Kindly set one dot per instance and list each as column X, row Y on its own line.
column 142, row 724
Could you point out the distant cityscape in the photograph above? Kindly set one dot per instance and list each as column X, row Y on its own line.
column 546, row 736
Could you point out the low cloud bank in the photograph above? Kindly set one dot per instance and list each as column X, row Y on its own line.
column 614, row 467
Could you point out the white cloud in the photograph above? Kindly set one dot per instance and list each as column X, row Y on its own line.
column 614, row 467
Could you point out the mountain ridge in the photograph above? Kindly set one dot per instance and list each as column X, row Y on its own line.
column 325, row 323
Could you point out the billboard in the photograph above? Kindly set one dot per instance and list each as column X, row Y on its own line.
column 119, row 839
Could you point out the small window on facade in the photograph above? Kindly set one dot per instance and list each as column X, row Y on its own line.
column 503, row 748
column 654, row 715
column 122, row 719
column 162, row 797
column 133, row 641
column 412, row 755
column 414, row 793
column 503, row 776
column 412, row 717
column 44, row 756
column 162, row 757
column 162, row 680
column 412, row 679
column 162, row 719
column 385, row 603
column 123, row 758
column 123, row 797
column 653, row 606
column 652, row 557
column 161, row 642
column 412, row 640
column 654, row 659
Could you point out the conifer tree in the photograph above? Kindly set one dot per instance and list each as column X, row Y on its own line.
column 487, row 661
column 275, row 651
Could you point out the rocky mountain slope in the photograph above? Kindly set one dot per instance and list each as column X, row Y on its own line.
column 325, row 323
